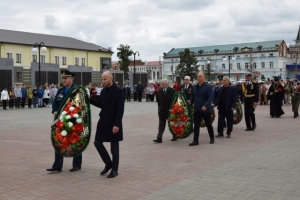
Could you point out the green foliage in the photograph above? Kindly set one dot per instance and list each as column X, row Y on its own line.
column 124, row 52
column 262, row 77
column 187, row 65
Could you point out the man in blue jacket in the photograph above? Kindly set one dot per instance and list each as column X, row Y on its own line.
column 24, row 95
column 202, row 97
column 226, row 101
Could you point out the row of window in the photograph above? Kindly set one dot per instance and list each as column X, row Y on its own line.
column 247, row 65
column 42, row 59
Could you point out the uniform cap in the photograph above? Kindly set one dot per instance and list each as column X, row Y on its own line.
column 66, row 73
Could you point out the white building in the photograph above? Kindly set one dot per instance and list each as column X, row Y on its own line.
column 153, row 68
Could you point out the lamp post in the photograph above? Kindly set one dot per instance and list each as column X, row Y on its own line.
column 172, row 69
column 229, row 56
column 138, row 53
column 208, row 68
column 38, row 47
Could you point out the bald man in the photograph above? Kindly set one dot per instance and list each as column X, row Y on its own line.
column 109, row 127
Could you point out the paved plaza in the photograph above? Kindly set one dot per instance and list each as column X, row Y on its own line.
column 263, row 164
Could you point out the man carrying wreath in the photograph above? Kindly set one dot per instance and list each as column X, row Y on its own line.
column 67, row 79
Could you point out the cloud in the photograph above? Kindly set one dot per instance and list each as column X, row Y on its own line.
column 51, row 22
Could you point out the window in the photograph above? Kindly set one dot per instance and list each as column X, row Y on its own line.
column 57, row 60
column 76, row 61
column 262, row 55
column 246, row 65
column 19, row 58
column 254, row 65
column 64, row 60
column 238, row 66
column 223, row 66
column 19, row 76
column 262, row 64
column 271, row 54
column 9, row 55
column 246, row 55
column 83, row 61
column 271, row 64
column 42, row 59
column 34, row 58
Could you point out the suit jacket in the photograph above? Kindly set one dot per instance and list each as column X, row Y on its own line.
column 60, row 95
column 164, row 102
column 231, row 98
column 111, row 102
column 188, row 91
column 202, row 96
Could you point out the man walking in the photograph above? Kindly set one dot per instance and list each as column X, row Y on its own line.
column 226, row 102
column 164, row 98
column 109, row 128
column 67, row 79
column 202, row 97
column 251, row 94
column 187, row 87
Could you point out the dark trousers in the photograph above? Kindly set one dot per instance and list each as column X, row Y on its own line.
column 207, row 120
column 23, row 102
column 59, row 161
column 223, row 114
column 18, row 99
column 128, row 96
column 249, row 114
column 35, row 100
column 11, row 103
column 139, row 96
column 4, row 104
column 161, row 127
column 134, row 96
column 151, row 97
column 114, row 148
column 29, row 103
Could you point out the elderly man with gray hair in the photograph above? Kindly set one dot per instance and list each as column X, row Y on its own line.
column 187, row 87
column 164, row 98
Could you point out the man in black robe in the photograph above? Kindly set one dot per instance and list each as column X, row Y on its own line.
column 276, row 95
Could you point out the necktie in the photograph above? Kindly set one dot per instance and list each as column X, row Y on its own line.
column 186, row 87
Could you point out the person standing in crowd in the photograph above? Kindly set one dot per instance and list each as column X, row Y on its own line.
column 98, row 90
column 251, row 94
column 11, row 95
column 239, row 92
column 29, row 96
column 276, row 95
column 176, row 86
column 287, row 92
column 295, row 93
column 54, row 92
column 124, row 91
column 128, row 91
column 147, row 92
column 186, row 87
column 151, row 92
column 4, row 98
column 226, row 102
column 35, row 96
column 40, row 93
column 67, row 79
column 262, row 94
column 24, row 95
column 164, row 98
column 139, row 89
column 202, row 98
column 18, row 95
column 135, row 92
column 46, row 97
column 216, row 89
column 157, row 90
column 109, row 128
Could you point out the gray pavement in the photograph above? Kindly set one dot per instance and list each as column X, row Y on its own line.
column 263, row 164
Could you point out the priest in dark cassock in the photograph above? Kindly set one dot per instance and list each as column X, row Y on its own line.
column 276, row 95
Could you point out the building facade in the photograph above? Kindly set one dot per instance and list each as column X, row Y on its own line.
column 152, row 68
column 87, row 60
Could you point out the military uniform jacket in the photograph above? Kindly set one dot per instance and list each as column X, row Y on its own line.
column 187, row 91
column 164, row 102
column 250, row 91
column 60, row 95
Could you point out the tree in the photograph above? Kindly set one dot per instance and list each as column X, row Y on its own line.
column 187, row 65
column 124, row 52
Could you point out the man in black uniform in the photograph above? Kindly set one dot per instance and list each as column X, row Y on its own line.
column 187, row 87
column 250, row 93
column 67, row 79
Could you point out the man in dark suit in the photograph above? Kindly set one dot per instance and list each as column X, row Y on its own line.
column 140, row 89
column 187, row 87
column 226, row 102
column 250, row 91
column 202, row 97
column 109, row 127
column 164, row 98
column 67, row 79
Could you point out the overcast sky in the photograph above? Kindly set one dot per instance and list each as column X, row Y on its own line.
column 156, row 26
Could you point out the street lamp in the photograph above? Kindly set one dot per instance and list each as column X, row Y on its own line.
column 229, row 56
column 208, row 68
column 172, row 69
column 35, row 50
column 138, row 53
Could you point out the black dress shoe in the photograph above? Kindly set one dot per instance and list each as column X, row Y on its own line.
column 248, row 129
column 253, row 127
column 54, row 169
column 174, row 139
column 105, row 170
column 212, row 141
column 194, row 143
column 158, row 140
column 219, row 135
column 112, row 174
column 74, row 169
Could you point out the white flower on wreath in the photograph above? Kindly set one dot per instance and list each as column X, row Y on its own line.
column 63, row 113
column 68, row 117
column 71, row 108
column 64, row 133
column 61, row 118
column 79, row 120
column 70, row 124
column 75, row 115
